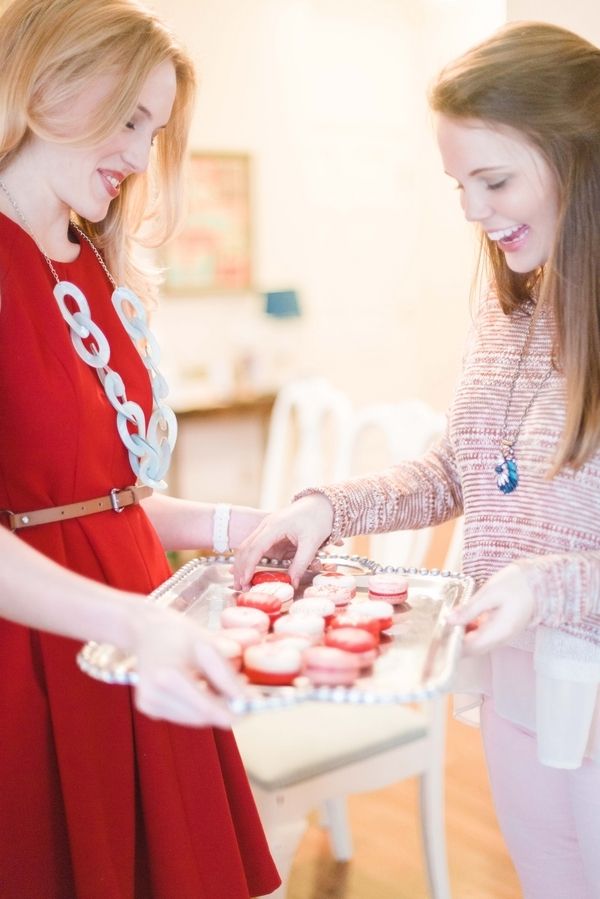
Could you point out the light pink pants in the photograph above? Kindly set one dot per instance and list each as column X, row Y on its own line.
column 550, row 817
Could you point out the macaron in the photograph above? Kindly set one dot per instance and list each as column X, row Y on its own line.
column 310, row 626
column 245, row 636
column 377, row 609
column 341, row 596
column 355, row 619
column 262, row 577
column 295, row 640
column 390, row 587
column 329, row 666
column 272, row 664
column 266, row 602
column 241, row 616
column 356, row 640
column 314, row 605
column 279, row 589
column 337, row 578
column 231, row 649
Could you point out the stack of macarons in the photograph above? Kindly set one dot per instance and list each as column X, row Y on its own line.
column 327, row 635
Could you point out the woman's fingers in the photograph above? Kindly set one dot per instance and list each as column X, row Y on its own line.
column 471, row 612
column 177, row 697
column 305, row 554
column 182, row 675
column 502, row 608
column 252, row 550
column 217, row 670
column 300, row 529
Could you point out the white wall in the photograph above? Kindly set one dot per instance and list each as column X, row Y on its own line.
column 581, row 16
column 350, row 205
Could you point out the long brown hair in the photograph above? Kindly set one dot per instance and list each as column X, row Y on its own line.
column 544, row 82
column 51, row 52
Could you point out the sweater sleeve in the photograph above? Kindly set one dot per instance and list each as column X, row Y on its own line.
column 406, row 496
column 566, row 588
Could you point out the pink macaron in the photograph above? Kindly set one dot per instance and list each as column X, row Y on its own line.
column 266, row 602
column 242, row 616
column 314, row 605
column 245, row 636
column 310, row 626
column 377, row 609
column 339, row 595
column 329, row 666
column 354, row 618
column 295, row 640
column 272, row 664
column 390, row 587
column 336, row 578
column 354, row 639
column 282, row 591
column 264, row 576
column 230, row 648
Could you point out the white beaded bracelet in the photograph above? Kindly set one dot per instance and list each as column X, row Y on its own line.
column 221, row 528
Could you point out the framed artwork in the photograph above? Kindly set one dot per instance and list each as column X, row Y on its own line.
column 212, row 253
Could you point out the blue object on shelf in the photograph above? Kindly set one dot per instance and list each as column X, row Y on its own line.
column 282, row 304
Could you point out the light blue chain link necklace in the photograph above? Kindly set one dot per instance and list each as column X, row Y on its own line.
column 149, row 445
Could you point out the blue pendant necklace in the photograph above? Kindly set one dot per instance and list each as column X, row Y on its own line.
column 506, row 468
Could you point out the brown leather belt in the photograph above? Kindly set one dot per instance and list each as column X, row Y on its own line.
column 117, row 500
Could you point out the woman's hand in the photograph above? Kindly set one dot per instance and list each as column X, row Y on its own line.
column 296, row 532
column 183, row 678
column 500, row 610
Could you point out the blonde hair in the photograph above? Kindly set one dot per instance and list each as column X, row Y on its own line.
column 51, row 51
column 544, row 82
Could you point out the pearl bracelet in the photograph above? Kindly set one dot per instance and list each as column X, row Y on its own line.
column 221, row 528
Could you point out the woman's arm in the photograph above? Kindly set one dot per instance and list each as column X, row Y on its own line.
column 409, row 495
column 171, row 649
column 185, row 524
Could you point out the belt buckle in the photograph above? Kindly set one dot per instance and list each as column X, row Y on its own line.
column 114, row 500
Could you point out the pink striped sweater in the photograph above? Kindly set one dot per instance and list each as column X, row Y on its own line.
column 550, row 526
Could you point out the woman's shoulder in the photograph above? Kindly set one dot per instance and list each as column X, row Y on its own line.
column 15, row 244
column 488, row 313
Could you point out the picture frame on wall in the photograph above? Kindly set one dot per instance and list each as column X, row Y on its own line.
column 212, row 252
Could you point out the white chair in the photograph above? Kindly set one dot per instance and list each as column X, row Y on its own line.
column 315, row 754
column 406, row 429
column 307, row 433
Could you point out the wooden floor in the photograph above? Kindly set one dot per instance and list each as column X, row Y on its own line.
column 387, row 861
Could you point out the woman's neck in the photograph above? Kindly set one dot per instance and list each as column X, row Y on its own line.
column 30, row 202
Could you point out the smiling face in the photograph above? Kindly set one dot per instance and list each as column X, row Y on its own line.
column 87, row 179
column 506, row 187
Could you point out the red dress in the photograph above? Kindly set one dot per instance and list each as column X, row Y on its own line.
column 96, row 801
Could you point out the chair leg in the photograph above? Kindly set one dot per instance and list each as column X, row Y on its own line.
column 431, row 795
column 336, row 818
column 283, row 841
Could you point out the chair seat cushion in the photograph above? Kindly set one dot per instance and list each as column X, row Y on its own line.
column 290, row 745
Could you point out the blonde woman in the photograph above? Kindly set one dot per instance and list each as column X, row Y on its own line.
column 518, row 125
column 97, row 800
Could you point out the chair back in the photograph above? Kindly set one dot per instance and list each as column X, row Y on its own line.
column 382, row 435
column 307, row 433
column 316, row 436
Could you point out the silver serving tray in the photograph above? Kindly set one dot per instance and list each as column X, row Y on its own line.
column 416, row 662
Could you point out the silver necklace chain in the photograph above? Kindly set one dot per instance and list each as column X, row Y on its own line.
column 149, row 445
column 507, row 473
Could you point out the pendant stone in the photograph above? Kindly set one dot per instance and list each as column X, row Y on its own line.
column 507, row 473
